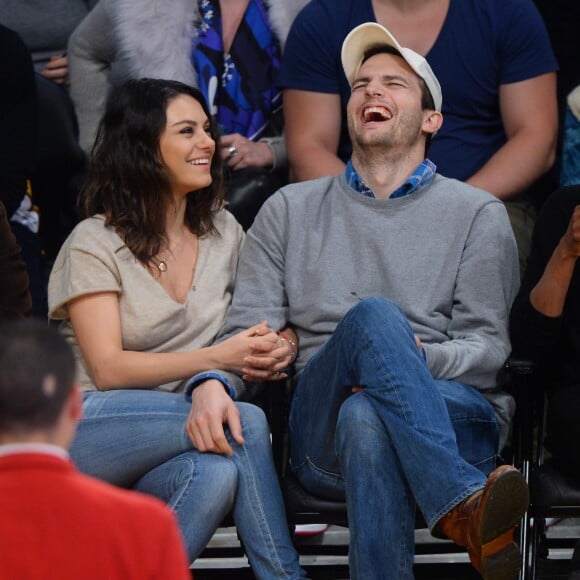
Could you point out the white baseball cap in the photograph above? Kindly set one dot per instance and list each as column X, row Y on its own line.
column 370, row 34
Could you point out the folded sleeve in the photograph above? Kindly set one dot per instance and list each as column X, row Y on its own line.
column 86, row 264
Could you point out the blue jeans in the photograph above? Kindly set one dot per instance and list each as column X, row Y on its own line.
column 405, row 441
column 137, row 438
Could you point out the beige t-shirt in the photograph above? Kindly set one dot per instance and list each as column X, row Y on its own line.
column 95, row 259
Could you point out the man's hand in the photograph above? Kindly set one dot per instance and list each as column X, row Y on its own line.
column 211, row 407
column 419, row 344
column 231, row 353
column 56, row 69
column 238, row 152
column 269, row 365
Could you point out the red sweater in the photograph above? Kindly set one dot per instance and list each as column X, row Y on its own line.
column 56, row 523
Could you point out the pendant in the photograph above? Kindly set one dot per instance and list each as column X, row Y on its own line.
column 162, row 266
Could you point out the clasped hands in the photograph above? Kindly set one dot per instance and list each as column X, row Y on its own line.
column 260, row 355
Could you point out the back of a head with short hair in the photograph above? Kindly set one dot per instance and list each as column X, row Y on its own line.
column 37, row 373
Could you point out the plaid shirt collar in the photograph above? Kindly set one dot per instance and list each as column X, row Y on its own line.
column 418, row 179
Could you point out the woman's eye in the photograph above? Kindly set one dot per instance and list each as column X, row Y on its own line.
column 207, row 130
column 186, row 131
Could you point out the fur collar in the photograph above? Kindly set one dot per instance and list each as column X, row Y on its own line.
column 154, row 36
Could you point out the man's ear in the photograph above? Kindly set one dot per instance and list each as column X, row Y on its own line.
column 432, row 121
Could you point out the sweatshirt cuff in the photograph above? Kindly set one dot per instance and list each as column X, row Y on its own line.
column 433, row 358
column 201, row 377
column 278, row 147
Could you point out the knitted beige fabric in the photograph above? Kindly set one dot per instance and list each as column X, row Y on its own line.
column 95, row 259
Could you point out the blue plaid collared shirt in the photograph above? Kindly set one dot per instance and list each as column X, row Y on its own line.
column 418, row 179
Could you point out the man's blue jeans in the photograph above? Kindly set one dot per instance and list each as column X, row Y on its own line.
column 405, row 441
column 137, row 438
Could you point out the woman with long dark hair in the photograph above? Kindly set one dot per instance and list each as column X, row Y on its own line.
column 142, row 286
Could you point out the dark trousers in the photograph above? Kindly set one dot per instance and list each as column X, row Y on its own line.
column 563, row 430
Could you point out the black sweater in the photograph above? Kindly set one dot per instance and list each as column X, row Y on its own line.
column 553, row 342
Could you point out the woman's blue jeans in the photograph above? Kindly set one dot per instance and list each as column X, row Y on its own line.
column 137, row 439
column 405, row 441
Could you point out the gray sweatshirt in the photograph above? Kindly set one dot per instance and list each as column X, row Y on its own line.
column 446, row 254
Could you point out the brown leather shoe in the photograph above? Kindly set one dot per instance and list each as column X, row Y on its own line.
column 484, row 524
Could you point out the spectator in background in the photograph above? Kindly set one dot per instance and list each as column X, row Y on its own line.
column 56, row 523
column 545, row 321
column 18, row 125
column 496, row 68
column 545, row 326
column 57, row 162
column 230, row 49
column 45, row 27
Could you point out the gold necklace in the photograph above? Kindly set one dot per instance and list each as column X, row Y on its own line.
column 162, row 263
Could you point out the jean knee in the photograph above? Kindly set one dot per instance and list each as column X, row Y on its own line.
column 225, row 481
column 377, row 310
column 369, row 308
column 189, row 470
column 363, row 445
column 253, row 420
column 358, row 425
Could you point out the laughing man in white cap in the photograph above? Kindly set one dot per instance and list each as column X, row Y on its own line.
column 398, row 283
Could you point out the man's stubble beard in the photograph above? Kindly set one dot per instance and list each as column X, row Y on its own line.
column 406, row 132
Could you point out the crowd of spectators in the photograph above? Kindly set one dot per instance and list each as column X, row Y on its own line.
column 141, row 290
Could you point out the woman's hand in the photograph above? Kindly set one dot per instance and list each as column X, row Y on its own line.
column 211, row 407
column 239, row 152
column 56, row 69
column 570, row 243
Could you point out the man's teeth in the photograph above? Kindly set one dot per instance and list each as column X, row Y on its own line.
column 199, row 162
column 376, row 114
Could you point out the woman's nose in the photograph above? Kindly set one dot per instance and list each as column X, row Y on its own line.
column 207, row 142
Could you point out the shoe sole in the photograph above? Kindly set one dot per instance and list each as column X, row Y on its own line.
column 507, row 501
column 307, row 530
